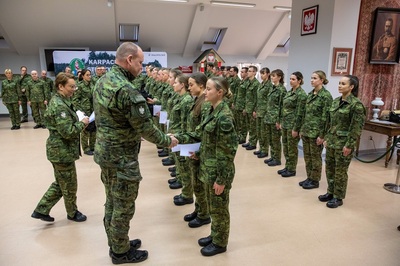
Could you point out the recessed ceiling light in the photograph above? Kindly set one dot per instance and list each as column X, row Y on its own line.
column 224, row 3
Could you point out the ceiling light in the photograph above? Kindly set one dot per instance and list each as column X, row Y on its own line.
column 109, row 3
column 223, row 3
column 285, row 8
column 178, row 1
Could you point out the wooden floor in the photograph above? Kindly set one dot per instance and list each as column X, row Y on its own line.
column 273, row 220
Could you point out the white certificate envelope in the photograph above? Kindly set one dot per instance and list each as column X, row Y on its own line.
column 156, row 109
column 163, row 117
column 176, row 148
column 80, row 115
column 91, row 118
column 189, row 149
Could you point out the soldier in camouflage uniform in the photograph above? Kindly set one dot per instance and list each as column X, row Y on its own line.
column 99, row 73
column 217, row 169
column 38, row 96
column 234, row 82
column 239, row 105
column 273, row 116
column 49, row 82
column 83, row 101
column 260, row 110
column 313, row 128
column 122, row 117
column 250, row 105
column 62, row 149
column 345, row 123
column 178, row 124
column 11, row 98
column 198, row 112
column 23, row 87
column 292, row 109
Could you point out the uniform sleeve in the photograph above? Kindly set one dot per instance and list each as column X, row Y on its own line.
column 282, row 93
column 66, row 124
column 139, row 117
column 226, row 147
column 325, row 113
column 300, row 111
column 356, row 125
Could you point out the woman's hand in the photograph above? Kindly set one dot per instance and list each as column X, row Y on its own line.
column 295, row 134
column 319, row 141
column 346, row 151
column 85, row 120
column 193, row 156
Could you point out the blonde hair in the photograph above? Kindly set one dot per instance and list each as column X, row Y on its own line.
column 222, row 84
column 7, row 70
column 321, row 74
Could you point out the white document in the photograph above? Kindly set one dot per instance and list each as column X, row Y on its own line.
column 91, row 118
column 156, row 109
column 80, row 115
column 176, row 148
column 163, row 117
column 167, row 124
column 189, row 149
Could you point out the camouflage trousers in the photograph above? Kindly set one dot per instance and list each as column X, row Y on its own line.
column 220, row 217
column 199, row 189
column 13, row 110
column 88, row 140
column 262, row 135
column 24, row 106
column 290, row 149
column 240, row 123
column 65, row 186
column 252, row 129
column 336, row 167
column 122, row 188
column 183, row 175
column 312, row 158
column 276, row 145
column 38, row 109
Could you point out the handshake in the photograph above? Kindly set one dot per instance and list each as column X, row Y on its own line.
column 174, row 141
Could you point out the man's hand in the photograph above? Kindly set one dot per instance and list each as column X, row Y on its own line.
column 174, row 141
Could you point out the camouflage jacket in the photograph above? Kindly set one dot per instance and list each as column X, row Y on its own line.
column 345, row 122
column 83, row 97
column 62, row 145
column 293, row 109
column 251, row 95
column 9, row 91
column 240, row 98
column 316, row 114
column 23, row 83
column 37, row 91
column 171, row 101
column 218, row 146
column 262, row 97
column 179, row 113
column 50, row 85
column 275, row 96
column 194, row 119
column 122, row 117
column 167, row 92
column 234, row 84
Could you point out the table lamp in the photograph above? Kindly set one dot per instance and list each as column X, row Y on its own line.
column 375, row 111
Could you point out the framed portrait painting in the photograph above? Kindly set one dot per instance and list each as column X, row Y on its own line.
column 385, row 36
column 341, row 61
column 309, row 20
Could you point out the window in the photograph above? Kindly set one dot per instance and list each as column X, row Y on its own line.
column 129, row 33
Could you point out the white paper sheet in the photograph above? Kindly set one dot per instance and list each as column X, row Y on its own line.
column 163, row 117
column 188, row 149
column 156, row 109
column 80, row 115
column 91, row 118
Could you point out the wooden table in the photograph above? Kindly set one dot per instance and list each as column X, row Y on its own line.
column 386, row 128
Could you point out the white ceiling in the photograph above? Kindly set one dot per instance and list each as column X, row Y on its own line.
column 178, row 28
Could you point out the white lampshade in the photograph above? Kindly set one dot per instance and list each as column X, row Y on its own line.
column 377, row 102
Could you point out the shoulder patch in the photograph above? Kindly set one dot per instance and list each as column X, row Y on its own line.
column 226, row 124
column 63, row 115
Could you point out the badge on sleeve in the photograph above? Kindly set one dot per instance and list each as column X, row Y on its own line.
column 141, row 110
column 63, row 115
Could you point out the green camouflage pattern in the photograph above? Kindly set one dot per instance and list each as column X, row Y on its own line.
column 23, row 88
column 83, row 97
column 275, row 97
column 9, row 91
column 290, row 149
column 345, row 123
column 62, row 145
column 220, row 216
column 37, row 91
column 316, row 114
column 293, row 108
column 312, row 158
column 251, row 95
column 262, row 98
column 65, row 186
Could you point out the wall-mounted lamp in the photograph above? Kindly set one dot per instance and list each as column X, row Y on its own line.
column 237, row 4
column 109, row 3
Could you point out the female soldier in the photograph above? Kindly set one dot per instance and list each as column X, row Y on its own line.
column 83, row 100
column 313, row 129
column 217, row 153
column 273, row 116
column 345, row 122
column 178, row 124
column 292, row 110
column 11, row 98
column 198, row 112
column 261, row 108
column 62, row 150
